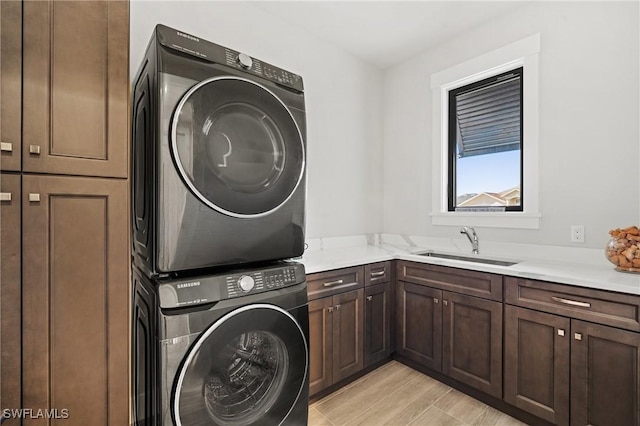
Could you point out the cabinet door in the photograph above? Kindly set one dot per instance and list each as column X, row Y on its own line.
column 377, row 318
column 348, row 334
column 10, row 366
column 472, row 341
column 419, row 324
column 605, row 363
column 76, row 298
column 536, row 363
column 10, row 84
column 320, row 344
column 76, row 65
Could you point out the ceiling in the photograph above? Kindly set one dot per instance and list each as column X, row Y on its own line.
column 384, row 33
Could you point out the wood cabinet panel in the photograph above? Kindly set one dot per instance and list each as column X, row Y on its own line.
column 348, row 334
column 10, row 85
column 377, row 320
column 76, row 298
column 10, row 288
column 419, row 324
column 473, row 283
column 618, row 310
column 472, row 341
column 605, row 366
column 536, row 363
column 76, row 100
column 328, row 283
column 320, row 344
column 377, row 273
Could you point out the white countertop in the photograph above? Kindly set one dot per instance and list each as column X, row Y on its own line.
column 580, row 267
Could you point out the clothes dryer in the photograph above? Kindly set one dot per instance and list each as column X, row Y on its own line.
column 218, row 157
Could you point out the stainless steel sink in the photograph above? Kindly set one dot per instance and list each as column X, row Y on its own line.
column 468, row 258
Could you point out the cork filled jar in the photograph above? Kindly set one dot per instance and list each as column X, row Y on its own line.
column 623, row 249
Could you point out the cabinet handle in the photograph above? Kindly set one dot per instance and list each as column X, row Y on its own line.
column 560, row 332
column 577, row 336
column 337, row 307
column 34, row 149
column 6, row 146
column 5, row 196
column 369, row 298
column 34, row 197
column 435, row 300
column 330, row 283
column 377, row 274
column 330, row 309
column 571, row 302
column 445, row 303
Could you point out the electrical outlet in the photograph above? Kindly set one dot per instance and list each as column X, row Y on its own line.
column 577, row 233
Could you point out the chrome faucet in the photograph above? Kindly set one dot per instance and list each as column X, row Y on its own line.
column 473, row 238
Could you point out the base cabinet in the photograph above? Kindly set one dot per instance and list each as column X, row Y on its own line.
column 377, row 323
column 536, row 363
column 336, row 338
column 605, row 366
column 419, row 324
column 472, row 341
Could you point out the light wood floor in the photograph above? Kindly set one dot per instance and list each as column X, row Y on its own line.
column 395, row 394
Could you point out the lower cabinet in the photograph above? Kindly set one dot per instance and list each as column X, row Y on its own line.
column 76, row 313
column 336, row 338
column 605, row 364
column 568, row 371
column 455, row 334
column 536, row 363
column 377, row 323
column 10, row 288
column 472, row 341
column 419, row 324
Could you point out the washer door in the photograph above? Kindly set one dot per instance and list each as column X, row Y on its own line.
column 247, row 368
column 237, row 146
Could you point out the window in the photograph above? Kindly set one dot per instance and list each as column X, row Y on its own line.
column 485, row 144
column 517, row 203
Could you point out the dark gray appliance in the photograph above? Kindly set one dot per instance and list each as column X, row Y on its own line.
column 218, row 157
column 227, row 349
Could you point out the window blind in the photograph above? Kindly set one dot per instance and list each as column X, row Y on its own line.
column 488, row 118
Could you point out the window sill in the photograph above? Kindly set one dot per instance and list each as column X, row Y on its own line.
column 511, row 220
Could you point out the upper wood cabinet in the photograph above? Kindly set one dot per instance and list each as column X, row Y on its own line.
column 75, row 91
column 10, row 366
column 10, row 84
column 76, row 314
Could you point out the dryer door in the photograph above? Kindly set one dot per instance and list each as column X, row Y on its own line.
column 237, row 146
column 247, row 368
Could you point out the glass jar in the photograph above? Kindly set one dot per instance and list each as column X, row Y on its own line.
column 623, row 249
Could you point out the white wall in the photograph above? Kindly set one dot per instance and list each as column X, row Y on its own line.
column 343, row 101
column 589, row 134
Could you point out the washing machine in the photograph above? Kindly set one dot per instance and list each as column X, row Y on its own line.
column 224, row 349
column 218, row 157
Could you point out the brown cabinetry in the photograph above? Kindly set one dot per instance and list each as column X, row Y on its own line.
column 75, row 297
column 377, row 323
column 377, row 312
column 536, row 363
column 545, row 351
column 472, row 341
column 65, row 291
column 450, row 321
column 10, row 85
column 336, row 326
column 10, row 364
column 75, row 96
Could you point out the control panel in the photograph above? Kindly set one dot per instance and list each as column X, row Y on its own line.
column 208, row 289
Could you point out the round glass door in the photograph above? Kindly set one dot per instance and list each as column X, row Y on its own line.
column 237, row 146
column 247, row 368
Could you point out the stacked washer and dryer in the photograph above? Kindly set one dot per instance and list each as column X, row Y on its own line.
column 220, row 323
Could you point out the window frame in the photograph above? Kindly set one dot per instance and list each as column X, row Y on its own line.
column 452, row 138
column 525, row 53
